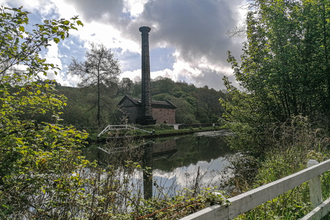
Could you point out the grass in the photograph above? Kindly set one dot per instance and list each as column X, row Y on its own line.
column 295, row 144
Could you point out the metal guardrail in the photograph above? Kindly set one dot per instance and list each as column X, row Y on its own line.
column 251, row 199
column 121, row 127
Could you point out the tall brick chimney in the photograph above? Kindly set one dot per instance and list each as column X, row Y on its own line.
column 146, row 113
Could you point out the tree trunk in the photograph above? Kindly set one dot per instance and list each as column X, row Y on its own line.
column 98, row 99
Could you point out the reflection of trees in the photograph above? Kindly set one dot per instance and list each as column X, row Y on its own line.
column 167, row 154
column 192, row 149
column 115, row 152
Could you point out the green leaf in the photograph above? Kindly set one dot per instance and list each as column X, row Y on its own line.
column 56, row 40
column 80, row 23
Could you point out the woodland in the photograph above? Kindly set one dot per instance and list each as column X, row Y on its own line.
column 194, row 105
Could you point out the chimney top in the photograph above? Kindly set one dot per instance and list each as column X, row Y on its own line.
column 144, row 29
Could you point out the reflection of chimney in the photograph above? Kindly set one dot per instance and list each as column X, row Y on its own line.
column 147, row 161
column 146, row 114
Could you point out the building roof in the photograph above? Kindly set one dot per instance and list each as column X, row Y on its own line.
column 154, row 104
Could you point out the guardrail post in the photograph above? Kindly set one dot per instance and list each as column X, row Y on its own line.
column 315, row 187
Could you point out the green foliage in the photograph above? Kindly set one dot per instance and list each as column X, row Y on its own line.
column 295, row 142
column 183, row 204
column 99, row 70
column 280, row 117
column 163, row 85
column 285, row 59
column 81, row 108
column 184, row 112
column 283, row 71
column 125, row 87
column 38, row 160
column 245, row 118
column 200, row 105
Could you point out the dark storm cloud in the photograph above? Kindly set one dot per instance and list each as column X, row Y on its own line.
column 98, row 10
column 196, row 28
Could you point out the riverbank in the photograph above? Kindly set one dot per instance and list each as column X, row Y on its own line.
column 155, row 133
column 286, row 149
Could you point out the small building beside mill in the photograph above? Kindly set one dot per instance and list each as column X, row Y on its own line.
column 162, row 111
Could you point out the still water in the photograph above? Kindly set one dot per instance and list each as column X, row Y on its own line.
column 175, row 163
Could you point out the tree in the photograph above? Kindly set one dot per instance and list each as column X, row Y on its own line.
column 285, row 59
column 99, row 69
column 35, row 157
column 162, row 85
column 284, row 68
column 126, row 85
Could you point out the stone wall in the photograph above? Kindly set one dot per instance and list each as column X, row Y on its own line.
column 165, row 116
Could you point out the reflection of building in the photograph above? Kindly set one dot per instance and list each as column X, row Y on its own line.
column 146, row 111
column 162, row 111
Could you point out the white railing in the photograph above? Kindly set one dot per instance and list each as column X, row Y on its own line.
column 251, row 199
column 121, row 127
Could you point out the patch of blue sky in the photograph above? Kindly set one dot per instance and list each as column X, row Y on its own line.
column 129, row 61
column 126, row 16
column 71, row 47
column 161, row 58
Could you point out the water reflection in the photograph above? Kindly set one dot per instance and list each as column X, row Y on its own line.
column 147, row 161
column 186, row 161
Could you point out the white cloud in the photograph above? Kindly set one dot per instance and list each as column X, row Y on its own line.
column 195, row 29
column 134, row 7
column 204, row 73
column 64, row 10
column 185, row 176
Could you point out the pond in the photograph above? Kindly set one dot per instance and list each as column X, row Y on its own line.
column 188, row 161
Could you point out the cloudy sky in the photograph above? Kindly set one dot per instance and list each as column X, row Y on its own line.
column 188, row 40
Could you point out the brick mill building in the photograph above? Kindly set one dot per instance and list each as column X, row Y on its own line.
column 147, row 111
column 162, row 111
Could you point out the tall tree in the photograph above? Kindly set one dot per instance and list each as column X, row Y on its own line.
column 99, row 69
column 284, row 68
column 285, row 59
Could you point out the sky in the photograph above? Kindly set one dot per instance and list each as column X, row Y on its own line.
column 188, row 40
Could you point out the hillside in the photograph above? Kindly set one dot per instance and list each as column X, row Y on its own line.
column 194, row 105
